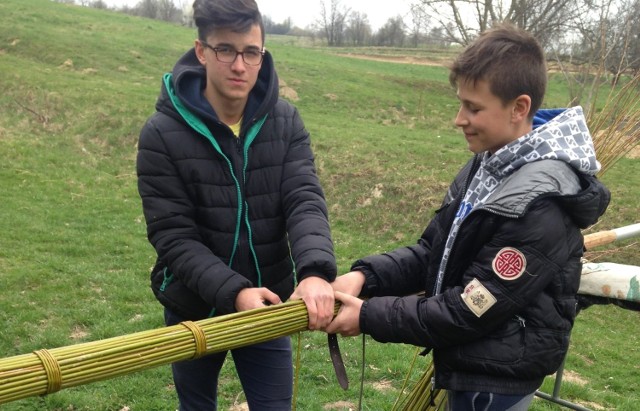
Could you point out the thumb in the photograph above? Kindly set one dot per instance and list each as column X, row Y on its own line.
column 271, row 297
column 342, row 297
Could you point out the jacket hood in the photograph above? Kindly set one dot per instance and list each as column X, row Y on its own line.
column 589, row 204
column 564, row 137
column 189, row 80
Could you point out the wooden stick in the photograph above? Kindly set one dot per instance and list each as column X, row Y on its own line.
column 609, row 236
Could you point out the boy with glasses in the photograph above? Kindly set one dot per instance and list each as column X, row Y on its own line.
column 500, row 261
column 232, row 202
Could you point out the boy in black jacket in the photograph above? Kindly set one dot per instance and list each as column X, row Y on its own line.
column 500, row 262
column 232, row 202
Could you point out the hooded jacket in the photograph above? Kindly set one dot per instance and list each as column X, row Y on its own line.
column 226, row 213
column 499, row 264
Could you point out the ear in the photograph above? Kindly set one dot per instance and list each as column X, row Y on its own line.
column 200, row 53
column 521, row 108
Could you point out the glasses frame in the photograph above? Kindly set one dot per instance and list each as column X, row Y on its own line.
column 217, row 49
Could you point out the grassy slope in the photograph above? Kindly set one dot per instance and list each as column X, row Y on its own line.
column 77, row 86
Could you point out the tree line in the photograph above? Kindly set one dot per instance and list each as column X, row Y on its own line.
column 579, row 36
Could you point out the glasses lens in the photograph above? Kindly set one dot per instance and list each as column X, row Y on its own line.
column 226, row 55
column 252, row 57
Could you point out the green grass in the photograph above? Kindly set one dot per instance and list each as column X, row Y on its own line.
column 77, row 85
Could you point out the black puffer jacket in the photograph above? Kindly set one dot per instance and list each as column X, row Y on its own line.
column 226, row 213
column 524, row 335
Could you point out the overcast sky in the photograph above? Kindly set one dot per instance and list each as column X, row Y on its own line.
column 305, row 12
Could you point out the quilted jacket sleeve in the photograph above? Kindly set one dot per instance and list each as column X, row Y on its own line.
column 447, row 320
column 305, row 207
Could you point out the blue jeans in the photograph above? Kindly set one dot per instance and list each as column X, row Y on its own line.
column 486, row 401
column 265, row 371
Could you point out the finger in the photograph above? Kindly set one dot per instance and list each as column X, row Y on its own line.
column 325, row 316
column 332, row 328
column 312, row 311
column 295, row 295
column 342, row 297
column 271, row 298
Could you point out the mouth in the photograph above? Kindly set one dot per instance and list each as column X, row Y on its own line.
column 237, row 81
column 468, row 135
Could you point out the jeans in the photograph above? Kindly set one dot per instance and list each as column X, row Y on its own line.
column 265, row 371
column 486, row 401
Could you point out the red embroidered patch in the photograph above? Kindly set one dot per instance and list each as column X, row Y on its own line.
column 509, row 263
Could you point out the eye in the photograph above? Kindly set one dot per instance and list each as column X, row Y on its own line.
column 472, row 108
column 252, row 53
column 225, row 50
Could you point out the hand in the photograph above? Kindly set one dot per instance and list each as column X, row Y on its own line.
column 350, row 283
column 347, row 322
column 250, row 298
column 317, row 295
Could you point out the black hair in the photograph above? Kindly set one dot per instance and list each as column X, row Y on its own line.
column 237, row 15
column 510, row 59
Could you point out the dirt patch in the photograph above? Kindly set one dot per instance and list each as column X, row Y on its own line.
column 78, row 333
column 593, row 405
column 340, row 406
column 634, row 153
column 289, row 93
column 574, row 378
column 397, row 59
column 383, row 385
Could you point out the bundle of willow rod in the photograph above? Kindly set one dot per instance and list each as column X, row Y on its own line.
column 616, row 127
column 47, row 371
column 423, row 396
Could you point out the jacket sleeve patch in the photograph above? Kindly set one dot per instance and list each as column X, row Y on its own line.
column 477, row 297
column 509, row 264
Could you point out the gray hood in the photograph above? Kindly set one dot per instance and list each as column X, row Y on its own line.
column 565, row 138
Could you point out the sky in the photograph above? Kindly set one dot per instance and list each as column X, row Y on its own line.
column 305, row 12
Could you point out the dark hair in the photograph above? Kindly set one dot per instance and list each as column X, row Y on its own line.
column 237, row 15
column 510, row 59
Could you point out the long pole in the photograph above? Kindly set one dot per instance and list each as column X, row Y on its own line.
column 609, row 236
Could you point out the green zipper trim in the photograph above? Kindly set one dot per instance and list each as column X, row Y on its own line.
column 251, row 135
column 167, row 279
column 201, row 128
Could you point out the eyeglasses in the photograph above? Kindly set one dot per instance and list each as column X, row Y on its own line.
column 226, row 54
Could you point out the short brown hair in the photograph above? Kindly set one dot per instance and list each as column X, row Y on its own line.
column 510, row 59
column 237, row 15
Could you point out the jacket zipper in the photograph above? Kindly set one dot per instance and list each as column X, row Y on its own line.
column 438, row 285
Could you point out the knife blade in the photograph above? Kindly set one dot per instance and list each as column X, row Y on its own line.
column 336, row 360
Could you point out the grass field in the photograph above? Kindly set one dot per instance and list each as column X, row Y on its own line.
column 77, row 85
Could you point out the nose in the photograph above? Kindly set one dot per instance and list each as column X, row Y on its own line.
column 460, row 120
column 238, row 64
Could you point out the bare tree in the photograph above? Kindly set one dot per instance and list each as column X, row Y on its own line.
column 358, row 31
column 332, row 22
column 419, row 24
column 271, row 27
column 99, row 4
column 600, row 51
column 147, row 8
column 600, row 43
column 167, row 11
column 436, row 37
column 463, row 20
column 623, row 39
column 392, row 33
